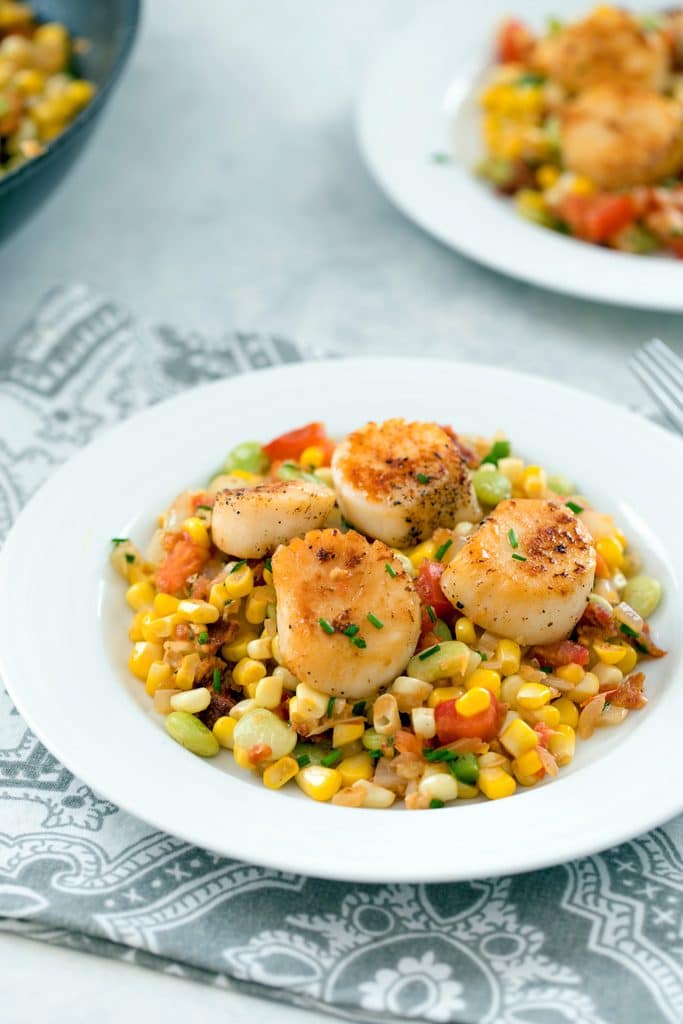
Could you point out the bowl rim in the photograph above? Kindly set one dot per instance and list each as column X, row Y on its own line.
column 17, row 177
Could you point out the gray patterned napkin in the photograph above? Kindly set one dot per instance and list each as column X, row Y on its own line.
column 598, row 941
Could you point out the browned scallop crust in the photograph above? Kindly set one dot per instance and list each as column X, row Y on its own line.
column 621, row 135
column 608, row 46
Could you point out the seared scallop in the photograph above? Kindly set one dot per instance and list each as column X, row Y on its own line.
column 348, row 616
column 399, row 481
column 251, row 521
column 622, row 135
column 526, row 573
column 610, row 45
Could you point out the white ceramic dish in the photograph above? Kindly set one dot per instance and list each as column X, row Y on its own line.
column 423, row 80
column 66, row 667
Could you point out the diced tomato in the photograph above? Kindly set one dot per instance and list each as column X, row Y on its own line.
column 429, row 588
column 566, row 652
column 291, row 445
column 596, row 218
column 629, row 694
column 451, row 726
column 544, row 733
column 183, row 560
column 513, row 41
column 407, row 742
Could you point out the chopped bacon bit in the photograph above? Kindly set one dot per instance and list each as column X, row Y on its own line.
column 629, row 694
column 259, row 752
column 468, row 745
column 181, row 631
column 646, row 641
column 183, row 560
column 200, row 588
column 544, row 733
column 566, row 652
column 597, row 615
column 407, row 742
column 468, row 453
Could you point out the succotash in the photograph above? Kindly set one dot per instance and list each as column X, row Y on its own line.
column 40, row 93
column 468, row 711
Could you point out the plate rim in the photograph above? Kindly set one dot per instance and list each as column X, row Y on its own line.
column 277, row 860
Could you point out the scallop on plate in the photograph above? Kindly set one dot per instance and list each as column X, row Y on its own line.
column 448, row 623
column 456, row 117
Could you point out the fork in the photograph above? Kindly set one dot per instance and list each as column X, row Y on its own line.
column 660, row 371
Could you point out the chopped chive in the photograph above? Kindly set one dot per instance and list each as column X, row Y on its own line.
column 302, row 760
column 483, row 655
column 628, row 631
column 374, row 621
column 428, row 653
column 330, row 707
column 574, row 507
column 238, row 565
column 390, row 569
column 216, row 679
column 431, row 613
column 441, row 158
column 443, row 754
column 607, row 704
column 130, row 558
column 375, row 754
column 326, row 626
column 358, row 641
column 547, row 669
column 359, row 707
column 512, row 537
column 203, row 637
column 268, row 565
column 441, row 551
column 206, row 508
column 119, row 540
column 351, row 630
column 436, row 803
column 519, row 558
column 331, row 759
column 423, row 478
column 641, row 647
column 499, row 450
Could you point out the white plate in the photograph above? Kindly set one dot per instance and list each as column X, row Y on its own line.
column 64, row 658
column 404, row 117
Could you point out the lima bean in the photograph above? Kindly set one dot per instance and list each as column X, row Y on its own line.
column 449, row 659
column 192, row 734
column 491, row 488
column 643, row 593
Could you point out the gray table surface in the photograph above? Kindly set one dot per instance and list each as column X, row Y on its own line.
column 224, row 188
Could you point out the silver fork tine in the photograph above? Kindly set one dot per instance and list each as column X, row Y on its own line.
column 650, row 377
column 666, row 359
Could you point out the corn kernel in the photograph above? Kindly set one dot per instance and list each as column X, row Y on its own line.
column 289, row 680
column 184, row 677
column 318, row 782
column 142, row 656
column 439, row 786
column 527, row 764
column 135, row 629
column 572, row 673
column 410, row 692
column 473, row 702
column 312, row 457
column 569, row 713
column 464, row 631
column 487, row 678
column 200, row 612
column 247, row 670
column 260, row 649
column 238, row 583
column 197, row 531
column 358, row 766
column 588, row 687
column 466, row 791
column 610, row 654
column 244, row 474
column 79, row 93
column 534, row 482
column 223, row 730
column 608, row 675
column 158, row 629
column 533, row 695
column 418, row 554
column 280, row 772
column 374, row 795
column 217, row 597
column 268, row 692
column 424, row 723
column 612, row 551
column 158, row 677
column 347, row 732
column 581, row 186
column 165, row 604
column 549, row 715
column 496, row 783
column 508, row 655
column 547, row 176
column 240, row 709
column 561, row 744
column 508, row 690
column 241, row 756
column 140, row 595
column 518, row 737
column 193, row 701
column 237, row 649
column 30, row 81
column 441, row 693
column 629, row 661
column 513, row 469
column 257, row 604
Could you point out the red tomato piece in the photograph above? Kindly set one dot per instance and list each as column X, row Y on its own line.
column 291, row 445
column 182, row 561
column 429, row 588
column 566, row 652
column 596, row 218
column 451, row 726
column 513, row 41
